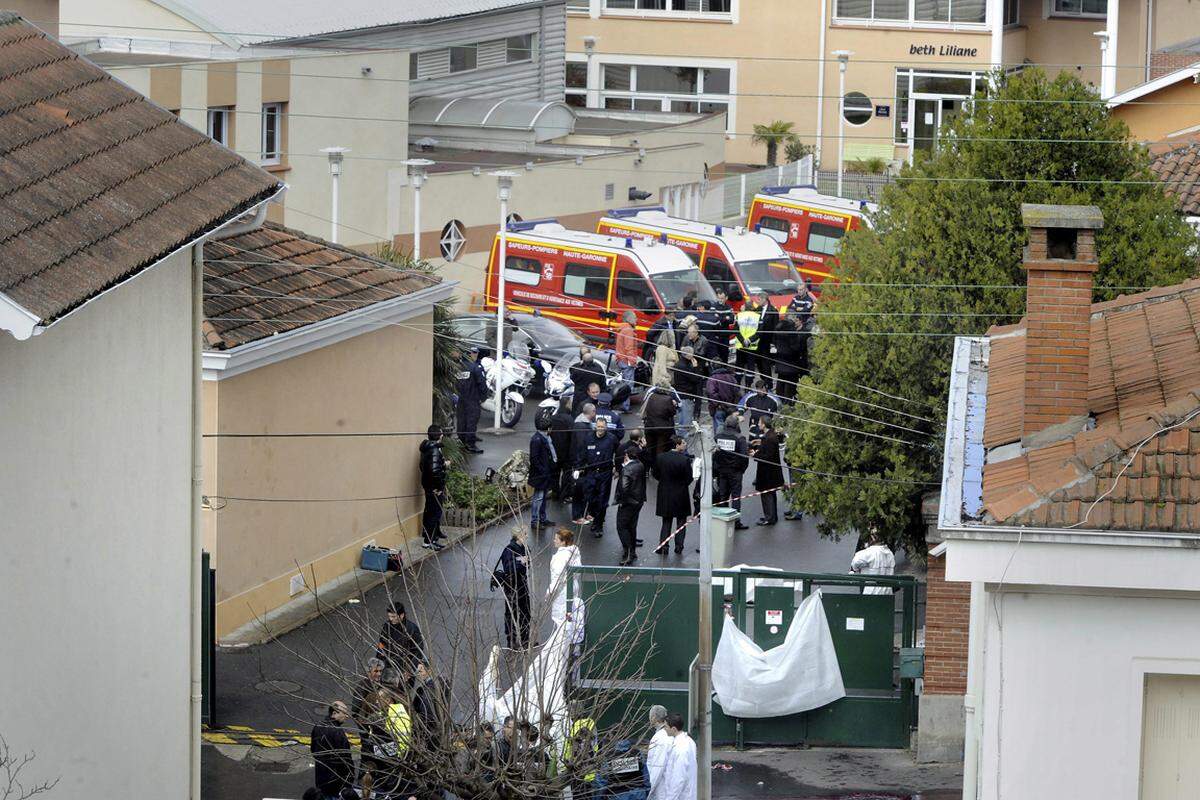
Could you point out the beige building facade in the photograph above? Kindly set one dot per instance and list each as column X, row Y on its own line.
column 910, row 65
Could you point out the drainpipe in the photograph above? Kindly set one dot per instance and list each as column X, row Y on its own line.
column 973, row 697
column 821, row 88
column 197, row 536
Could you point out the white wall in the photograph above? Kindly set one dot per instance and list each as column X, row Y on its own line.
column 1063, row 692
column 94, row 559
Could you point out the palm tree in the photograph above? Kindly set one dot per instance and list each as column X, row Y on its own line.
column 772, row 135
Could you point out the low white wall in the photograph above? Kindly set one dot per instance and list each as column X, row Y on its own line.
column 1064, row 676
column 94, row 558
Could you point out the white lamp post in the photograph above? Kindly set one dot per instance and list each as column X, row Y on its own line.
column 504, row 182
column 843, row 57
column 417, row 173
column 336, row 154
column 592, row 95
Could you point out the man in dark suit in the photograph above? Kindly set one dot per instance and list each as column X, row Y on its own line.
column 673, row 469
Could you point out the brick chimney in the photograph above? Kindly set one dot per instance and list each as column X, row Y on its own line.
column 1060, row 259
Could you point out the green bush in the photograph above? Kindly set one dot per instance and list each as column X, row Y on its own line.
column 486, row 500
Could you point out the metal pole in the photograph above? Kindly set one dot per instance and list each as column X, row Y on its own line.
column 416, row 250
column 504, row 181
column 335, row 155
column 841, row 121
column 333, row 212
column 704, row 660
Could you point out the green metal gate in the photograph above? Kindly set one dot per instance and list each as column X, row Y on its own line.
column 868, row 631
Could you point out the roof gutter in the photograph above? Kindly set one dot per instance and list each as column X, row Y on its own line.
column 18, row 320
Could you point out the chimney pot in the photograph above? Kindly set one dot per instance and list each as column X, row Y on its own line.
column 1060, row 260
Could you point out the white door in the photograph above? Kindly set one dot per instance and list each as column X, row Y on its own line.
column 1171, row 738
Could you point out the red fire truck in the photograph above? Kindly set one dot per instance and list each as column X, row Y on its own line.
column 732, row 258
column 587, row 280
column 807, row 224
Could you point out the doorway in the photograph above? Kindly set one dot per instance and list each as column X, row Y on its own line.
column 928, row 113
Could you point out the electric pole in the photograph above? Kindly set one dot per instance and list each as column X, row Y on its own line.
column 703, row 700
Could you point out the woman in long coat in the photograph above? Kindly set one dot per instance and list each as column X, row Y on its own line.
column 769, row 473
column 673, row 504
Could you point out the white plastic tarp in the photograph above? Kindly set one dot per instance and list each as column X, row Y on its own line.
column 540, row 691
column 798, row 675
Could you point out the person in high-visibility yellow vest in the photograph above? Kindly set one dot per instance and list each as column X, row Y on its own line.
column 583, row 732
column 399, row 724
column 746, row 338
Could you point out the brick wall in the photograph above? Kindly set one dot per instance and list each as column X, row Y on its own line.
column 947, row 619
column 1163, row 63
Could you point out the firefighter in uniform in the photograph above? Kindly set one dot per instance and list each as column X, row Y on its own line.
column 746, row 341
column 730, row 460
column 472, row 388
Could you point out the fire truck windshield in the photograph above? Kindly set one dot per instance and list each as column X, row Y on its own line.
column 672, row 286
column 772, row 275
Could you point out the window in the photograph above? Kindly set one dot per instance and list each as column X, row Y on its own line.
column 778, row 229
column 522, row 264
column 414, row 69
column 934, row 11
column 576, row 82
column 519, row 48
column 526, row 271
column 938, row 85
column 463, row 58
column 633, row 291
column 857, row 108
column 718, row 273
column 218, row 124
column 825, row 239
column 671, row 6
column 1080, row 8
column 654, row 87
column 1012, row 12
column 272, row 132
column 454, row 238
column 586, row 280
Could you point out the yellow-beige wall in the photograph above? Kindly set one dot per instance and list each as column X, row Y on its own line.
column 1153, row 117
column 378, row 381
column 773, row 45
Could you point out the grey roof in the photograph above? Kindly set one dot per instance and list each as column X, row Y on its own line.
column 272, row 20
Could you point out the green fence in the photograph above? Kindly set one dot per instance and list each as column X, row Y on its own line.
column 868, row 632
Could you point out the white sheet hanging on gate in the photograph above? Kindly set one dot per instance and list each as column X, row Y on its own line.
column 798, row 675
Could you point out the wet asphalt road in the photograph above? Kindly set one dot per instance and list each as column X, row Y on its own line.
column 282, row 684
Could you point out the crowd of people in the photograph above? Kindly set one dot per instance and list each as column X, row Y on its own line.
column 702, row 357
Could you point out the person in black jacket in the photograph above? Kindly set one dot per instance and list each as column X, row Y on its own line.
column 595, row 454
column 584, row 372
column 562, row 431
column 767, row 327
column 400, row 642
column 433, row 482
column 791, row 357
column 658, row 415
column 472, row 389
column 730, row 460
column 330, row 747
column 631, row 496
column 512, row 575
column 688, row 379
column 430, row 705
column 543, row 468
column 723, row 326
column 673, row 469
column 768, row 476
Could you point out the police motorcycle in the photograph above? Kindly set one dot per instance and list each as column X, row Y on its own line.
column 515, row 382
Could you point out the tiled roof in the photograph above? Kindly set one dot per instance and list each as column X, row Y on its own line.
column 96, row 182
column 1178, row 167
column 275, row 279
column 1144, row 375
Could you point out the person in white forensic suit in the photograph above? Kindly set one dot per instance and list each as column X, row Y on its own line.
column 678, row 780
column 874, row 559
column 660, row 746
column 566, row 554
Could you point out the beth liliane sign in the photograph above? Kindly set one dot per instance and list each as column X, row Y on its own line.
column 942, row 50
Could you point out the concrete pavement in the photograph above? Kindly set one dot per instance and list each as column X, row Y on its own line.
column 284, row 683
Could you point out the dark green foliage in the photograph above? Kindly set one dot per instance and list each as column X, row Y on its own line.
column 962, row 228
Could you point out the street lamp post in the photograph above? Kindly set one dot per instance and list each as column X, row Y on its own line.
column 504, row 182
column 335, row 154
column 418, row 174
column 843, row 57
column 704, row 656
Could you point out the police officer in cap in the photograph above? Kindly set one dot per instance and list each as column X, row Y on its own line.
column 472, row 389
column 730, row 460
column 724, row 323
